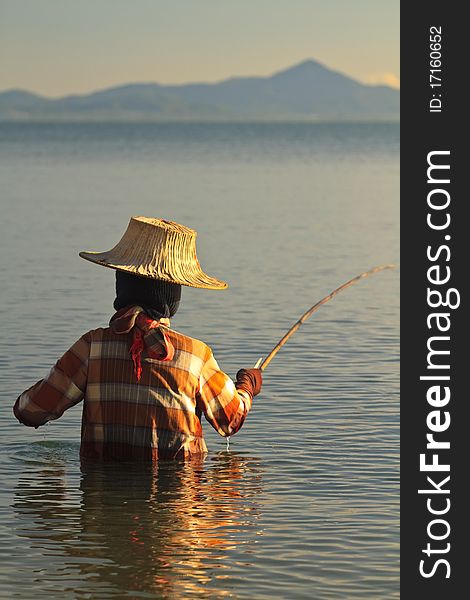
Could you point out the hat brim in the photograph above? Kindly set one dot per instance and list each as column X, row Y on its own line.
column 194, row 278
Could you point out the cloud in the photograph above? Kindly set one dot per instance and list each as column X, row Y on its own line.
column 385, row 78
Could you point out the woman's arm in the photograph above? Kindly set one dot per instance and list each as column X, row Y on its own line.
column 224, row 404
column 63, row 387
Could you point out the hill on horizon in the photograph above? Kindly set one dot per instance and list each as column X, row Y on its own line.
column 306, row 91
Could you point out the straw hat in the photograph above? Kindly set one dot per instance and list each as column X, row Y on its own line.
column 157, row 249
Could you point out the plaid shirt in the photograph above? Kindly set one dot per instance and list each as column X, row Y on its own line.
column 155, row 416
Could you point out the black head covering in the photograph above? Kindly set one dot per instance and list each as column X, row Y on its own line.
column 158, row 298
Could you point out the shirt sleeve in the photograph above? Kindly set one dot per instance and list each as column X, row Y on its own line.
column 223, row 405
column 63, row 387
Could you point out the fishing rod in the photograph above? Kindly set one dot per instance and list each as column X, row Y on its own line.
column 262, row 364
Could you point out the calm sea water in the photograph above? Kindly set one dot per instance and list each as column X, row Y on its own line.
column 305, row 502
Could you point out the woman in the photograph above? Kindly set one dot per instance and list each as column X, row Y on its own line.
column 144, row 385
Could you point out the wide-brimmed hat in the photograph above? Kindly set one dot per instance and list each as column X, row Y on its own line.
column 157, row 249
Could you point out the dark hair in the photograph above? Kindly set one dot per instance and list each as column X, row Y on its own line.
column 157, row 298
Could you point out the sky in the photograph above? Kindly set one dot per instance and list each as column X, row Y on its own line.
column 59, row 47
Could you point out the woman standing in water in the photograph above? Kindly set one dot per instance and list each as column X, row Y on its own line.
column 144, row 385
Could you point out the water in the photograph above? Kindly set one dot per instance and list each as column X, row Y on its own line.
column 305, row 502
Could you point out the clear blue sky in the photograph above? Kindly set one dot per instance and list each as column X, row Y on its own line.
column 55, row 47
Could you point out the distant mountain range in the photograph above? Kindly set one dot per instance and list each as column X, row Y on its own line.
column 307, row 91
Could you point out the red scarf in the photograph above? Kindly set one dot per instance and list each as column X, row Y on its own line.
column 134, row 320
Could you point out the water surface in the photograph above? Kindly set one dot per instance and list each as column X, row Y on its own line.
column 305, row 503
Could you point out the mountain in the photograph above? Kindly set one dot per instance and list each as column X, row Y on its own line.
column 308, row 90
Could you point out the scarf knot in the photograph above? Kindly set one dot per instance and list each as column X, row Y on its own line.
column 134, row 320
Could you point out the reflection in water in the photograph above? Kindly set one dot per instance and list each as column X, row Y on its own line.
column 170, row 530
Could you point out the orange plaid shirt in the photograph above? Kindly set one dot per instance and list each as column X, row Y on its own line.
column 156, row 416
